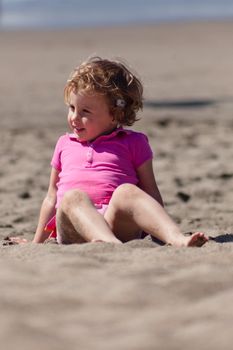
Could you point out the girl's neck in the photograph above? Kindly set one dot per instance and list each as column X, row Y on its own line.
column 108, row 132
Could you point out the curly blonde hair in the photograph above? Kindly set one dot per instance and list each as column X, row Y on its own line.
column 112, row 79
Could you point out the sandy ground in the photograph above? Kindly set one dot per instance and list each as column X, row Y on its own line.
column 140, row 295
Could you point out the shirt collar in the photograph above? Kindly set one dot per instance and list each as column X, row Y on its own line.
column 117, row 131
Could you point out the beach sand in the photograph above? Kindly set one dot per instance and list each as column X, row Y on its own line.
column 139, row 295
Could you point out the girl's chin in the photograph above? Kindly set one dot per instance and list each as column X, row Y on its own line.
column 80, row 137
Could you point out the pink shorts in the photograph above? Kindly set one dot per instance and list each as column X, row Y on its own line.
column 50, row 227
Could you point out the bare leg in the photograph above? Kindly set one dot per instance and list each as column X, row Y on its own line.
column 131, row 210
column 78, row 221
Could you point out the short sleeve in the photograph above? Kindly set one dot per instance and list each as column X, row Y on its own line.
column 56, row 159
column 139, row 148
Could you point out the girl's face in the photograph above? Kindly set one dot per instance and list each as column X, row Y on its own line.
column 89, row 116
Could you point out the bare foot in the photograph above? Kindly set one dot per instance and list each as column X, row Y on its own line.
column 14, row 240
column 197, row 239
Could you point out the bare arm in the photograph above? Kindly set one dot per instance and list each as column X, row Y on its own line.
column 47, row 208
column 147, row 181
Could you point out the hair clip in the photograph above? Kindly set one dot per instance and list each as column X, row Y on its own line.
column 120, row 103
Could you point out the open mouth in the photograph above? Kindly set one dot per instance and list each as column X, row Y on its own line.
column 79, row 129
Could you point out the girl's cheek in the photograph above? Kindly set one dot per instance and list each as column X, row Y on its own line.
column 69, row 116
column 85, row 120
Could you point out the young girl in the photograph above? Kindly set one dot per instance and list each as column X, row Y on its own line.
column 102, row 186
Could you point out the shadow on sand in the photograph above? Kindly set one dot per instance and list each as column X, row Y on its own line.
column 225, row 238
column 191, row 103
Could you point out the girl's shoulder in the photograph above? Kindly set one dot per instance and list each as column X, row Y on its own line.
column 64, row 138
column 136, row 136
column 139, row 147
column 62, row 142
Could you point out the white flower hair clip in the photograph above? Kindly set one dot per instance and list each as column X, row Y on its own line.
column 120, row 103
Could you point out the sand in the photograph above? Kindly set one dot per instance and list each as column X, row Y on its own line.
column 139, row 295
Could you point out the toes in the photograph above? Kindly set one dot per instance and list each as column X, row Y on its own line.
column 198, row 239
column 14, row 240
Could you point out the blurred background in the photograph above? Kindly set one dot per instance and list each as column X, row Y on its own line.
column 16, row 14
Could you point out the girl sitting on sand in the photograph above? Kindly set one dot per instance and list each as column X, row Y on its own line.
column 102, row 186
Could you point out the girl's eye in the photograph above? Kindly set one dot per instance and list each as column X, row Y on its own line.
column 71, row 108
column 86, row 111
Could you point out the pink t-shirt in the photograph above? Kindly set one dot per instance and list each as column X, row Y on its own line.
column 99, row 167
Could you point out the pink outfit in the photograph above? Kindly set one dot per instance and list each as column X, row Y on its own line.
column 98, row 167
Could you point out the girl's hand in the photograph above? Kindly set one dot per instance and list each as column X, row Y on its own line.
column 14, row 240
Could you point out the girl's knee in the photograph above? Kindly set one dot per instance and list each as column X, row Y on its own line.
column 73, row 197
column 127, row 191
